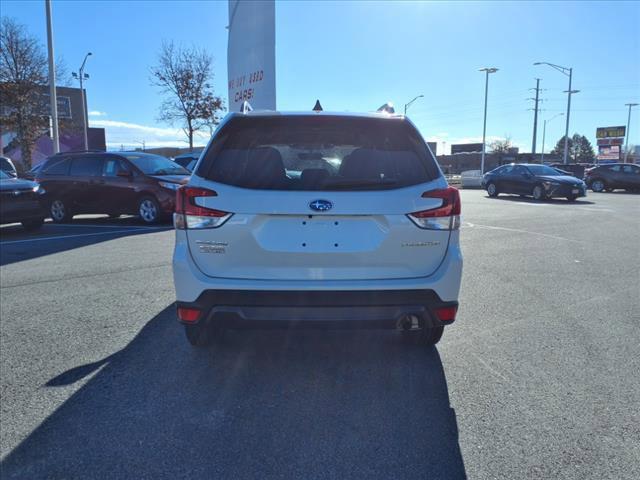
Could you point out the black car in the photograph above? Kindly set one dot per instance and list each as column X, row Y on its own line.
column 539, row 181
column 616, row 175
column 21, row 202
column 110, row 183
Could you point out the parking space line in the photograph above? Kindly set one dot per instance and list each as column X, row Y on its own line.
column 525, row 231
column 62, row 237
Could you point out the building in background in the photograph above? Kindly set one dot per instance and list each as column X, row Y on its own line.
column 71, row 122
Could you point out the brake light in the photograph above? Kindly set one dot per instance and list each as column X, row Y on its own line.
column 446, row 314
column 190, row 215
column 189, row 315
column 444, row 217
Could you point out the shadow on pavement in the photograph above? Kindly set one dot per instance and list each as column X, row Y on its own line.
column 265, row 404
column 17, row 245
column 519, row 199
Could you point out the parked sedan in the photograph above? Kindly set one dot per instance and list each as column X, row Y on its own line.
column 20, row 202
column 539, row 181
column 609, row 177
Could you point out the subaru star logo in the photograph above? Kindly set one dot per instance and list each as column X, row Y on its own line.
column 320, row 205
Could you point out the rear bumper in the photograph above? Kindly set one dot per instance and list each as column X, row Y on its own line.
column 334, row 309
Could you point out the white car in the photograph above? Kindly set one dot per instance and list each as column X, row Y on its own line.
column 471, row 179
column 317, row 219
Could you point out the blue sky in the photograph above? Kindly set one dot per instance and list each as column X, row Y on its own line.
column 357, row 55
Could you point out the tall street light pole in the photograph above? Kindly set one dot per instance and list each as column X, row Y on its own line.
column 487, row 70
column 569, row 73
column 535, row 118
column 52, row 81
column 627, row 132
column 407, row 105
column 82, row 76
column 544, row 131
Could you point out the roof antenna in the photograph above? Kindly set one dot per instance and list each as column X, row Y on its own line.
column 317, row 107
column 387, row 108
column 245, row 107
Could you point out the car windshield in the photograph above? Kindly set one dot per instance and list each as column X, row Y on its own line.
column 319, row 153
column 544, row 170
column 3, row 175
column 155, row 164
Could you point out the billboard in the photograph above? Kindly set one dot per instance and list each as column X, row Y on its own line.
column 251, row 54
column 44, row 107
column 609, row 152
column 466, row 148
column 610, row 132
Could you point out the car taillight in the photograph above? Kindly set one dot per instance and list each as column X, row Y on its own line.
column 446, row 314
column 190, row 215
column 444, row 217
column 189, row 315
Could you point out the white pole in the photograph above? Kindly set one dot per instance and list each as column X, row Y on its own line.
column 566, row 130
column 52, row 81
column 627, row 132
column 484, row 126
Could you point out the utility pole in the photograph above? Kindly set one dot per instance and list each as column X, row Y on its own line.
column 487, row 70
column 569, row 73
column 627, row 132
column 52, row 81
column 535, row 118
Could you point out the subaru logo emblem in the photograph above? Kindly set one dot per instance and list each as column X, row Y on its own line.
column 321, row 205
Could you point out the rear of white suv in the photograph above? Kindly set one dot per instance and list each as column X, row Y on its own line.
column 317, row 219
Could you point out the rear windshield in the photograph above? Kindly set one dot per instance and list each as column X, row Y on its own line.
column 318, row 153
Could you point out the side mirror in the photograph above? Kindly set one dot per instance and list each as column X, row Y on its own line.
column 124, row 173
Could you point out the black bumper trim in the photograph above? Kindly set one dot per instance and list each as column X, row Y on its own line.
column 335, row 308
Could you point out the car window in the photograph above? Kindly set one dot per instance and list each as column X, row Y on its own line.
column 519, row 170
column 615, row 168
column 630, row 169
column 318, row 153
column 506, row 170
column 86, row 166
column 3, row 175
column 5, row 165
column 57, row 166
column 544, row 170
column 155, row 164
column 112, row 166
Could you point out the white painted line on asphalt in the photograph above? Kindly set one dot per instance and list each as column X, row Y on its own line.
column 527, row 232
column 61, row 237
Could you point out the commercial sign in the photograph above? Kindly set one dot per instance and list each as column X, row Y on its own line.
column 466, row 148
column 44, row 107
column 251, row 54
column 609, row 141
column 610, row 132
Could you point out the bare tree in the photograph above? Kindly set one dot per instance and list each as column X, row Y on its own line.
column 23, row 71
column 501, row 146
column 184, row 75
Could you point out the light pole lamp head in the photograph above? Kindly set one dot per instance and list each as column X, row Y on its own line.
column 488, row 70
column 631, row 104
column 74, row 74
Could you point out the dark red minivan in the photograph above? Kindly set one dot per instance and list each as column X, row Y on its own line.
column 110, row 183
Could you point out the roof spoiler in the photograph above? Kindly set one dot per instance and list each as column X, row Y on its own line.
column 386, row 108
column 245, row 107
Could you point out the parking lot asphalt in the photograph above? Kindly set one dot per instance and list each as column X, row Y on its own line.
column 538, row 377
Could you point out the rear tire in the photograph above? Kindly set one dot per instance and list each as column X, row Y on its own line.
column 59, row 211
column 32, row 225
column 572, row 198
column 492, row 190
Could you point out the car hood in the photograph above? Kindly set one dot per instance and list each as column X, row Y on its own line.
column 181, row 179
column 16, row 184
column 566, row 179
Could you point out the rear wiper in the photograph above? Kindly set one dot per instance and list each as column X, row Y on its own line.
column 382, row 182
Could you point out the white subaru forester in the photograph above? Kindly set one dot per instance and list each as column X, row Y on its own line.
column 316, row 219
